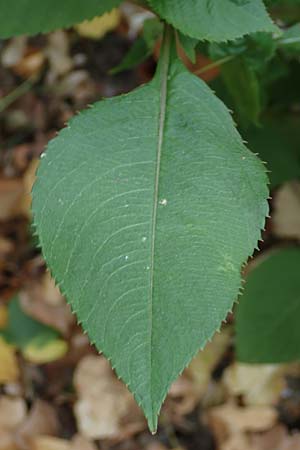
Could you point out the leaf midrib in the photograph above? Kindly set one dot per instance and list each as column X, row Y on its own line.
column 163, row 73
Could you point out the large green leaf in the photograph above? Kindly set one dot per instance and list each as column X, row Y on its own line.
column 35, row 16
column 268, row 315
column 146, row 207
column 215, row 20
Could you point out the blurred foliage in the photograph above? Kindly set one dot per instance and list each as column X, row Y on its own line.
column 267, row 321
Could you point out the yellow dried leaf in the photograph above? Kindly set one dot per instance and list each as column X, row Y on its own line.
column 259, row 384
column 99, row 26
column 49, row 443
column 9, row 369
column 47, row 353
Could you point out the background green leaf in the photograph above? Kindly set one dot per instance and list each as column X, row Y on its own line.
column 290, row 41
column 267, row 320
column 35, row 16
column 243, row 86
column 189, row 46
column 277, row 142
column 215, row 20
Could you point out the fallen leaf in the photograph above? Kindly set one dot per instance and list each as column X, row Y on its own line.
column 11, row 194
column 7, row 441
column 286, row 215
column 15, row 194
column 156, row 446
column 6, row 247
column 9, row 369
column 3, row 314
column 43, row 301
column 58, row 53
column 81, row 443
column 238, row 441
column 48, row 352
column 184, row 396
column 12, row 412
column 31, row 64
column 259, row 384
column 99, row 26
column 105, row 408
column 14, row 51
column 278, row 438
column 229, row 420
column 41, row 420
column 28, row 180
column 201, row 367
column 50, row 443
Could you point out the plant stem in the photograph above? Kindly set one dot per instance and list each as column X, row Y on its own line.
column 288, row 41
column 20, row 90
column 214, row 64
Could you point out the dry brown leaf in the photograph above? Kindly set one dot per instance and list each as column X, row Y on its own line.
column 238, row 441
column 99, row 26
column 43, row 301
column 259, row 384
column 7, row 441
column 28, row 180
column 14, row 51
column 50, row 443
column 41, row 420
column 6, row 247
column 3, row 314
column 156, row 446
column 12, row 412
column 184, row 396
column 277, row 438
column 9, row 369
column 202, row 365
column 286, row 215
column 11, row 194
column 105, row 408
column 31, row 64
column 58, row 53
column 15, row 198
column 81, row 443
column 77, row 84
column 229, row 420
